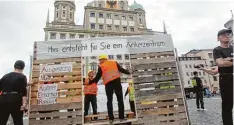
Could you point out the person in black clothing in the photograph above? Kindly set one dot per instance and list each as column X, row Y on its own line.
column 111, row 87
column 223, row 56
column 13, row 95
column 198, row 90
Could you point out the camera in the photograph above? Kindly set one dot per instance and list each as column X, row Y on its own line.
column 199, row 66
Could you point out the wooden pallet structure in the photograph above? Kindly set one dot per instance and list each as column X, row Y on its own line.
column 68, row 107
column 159, row 96
column 104, row 117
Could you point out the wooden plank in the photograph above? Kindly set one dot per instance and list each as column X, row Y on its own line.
column 77, row 59
column 152, row 60
column 159, row 97
column 160, row 111
column 153, row 54
column 64, row 121
column 75, row 92
column 155, row 84
column 155, row 78
column 60, row 79
column 62, row 106
column 154, row 66
column 160, row 104
column 158, row 91
column 155, row 72
column 34, row 101
column 61, row 86
column 37, row 74
column 175, row 117
column 55, row 114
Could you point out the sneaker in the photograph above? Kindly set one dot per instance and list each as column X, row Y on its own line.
column 203, row 109
column 111, row 122
column 198, row 109
column 122, row 120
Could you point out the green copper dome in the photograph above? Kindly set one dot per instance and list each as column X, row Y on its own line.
column 135, row 5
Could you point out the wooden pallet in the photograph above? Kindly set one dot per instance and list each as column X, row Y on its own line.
column 104, row 117
column 68, row 107
column 159, row 99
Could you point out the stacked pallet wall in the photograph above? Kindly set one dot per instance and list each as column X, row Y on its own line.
column 68, row 107
column 158, row 105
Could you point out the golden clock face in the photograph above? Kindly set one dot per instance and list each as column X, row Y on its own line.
column 111, row 4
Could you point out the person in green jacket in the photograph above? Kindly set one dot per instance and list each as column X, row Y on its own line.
column 131, row 92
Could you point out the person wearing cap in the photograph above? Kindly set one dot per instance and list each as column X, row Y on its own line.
column 110, row 70
column 13, row 95
column 131, row 91
column 223, row 56
column 90, row 92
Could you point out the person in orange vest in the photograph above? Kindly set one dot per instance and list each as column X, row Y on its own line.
column 90, row 92
column 110, row 73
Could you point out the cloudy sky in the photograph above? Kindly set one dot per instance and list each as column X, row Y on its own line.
column 193, row 24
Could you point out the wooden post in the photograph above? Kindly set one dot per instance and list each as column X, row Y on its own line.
column 182, row 86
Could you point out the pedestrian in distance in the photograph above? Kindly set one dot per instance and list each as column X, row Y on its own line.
column 13, row 95
column 131, row 91
column 90, row 92
column 110, row 70
column 197, row 84
column 223, row 56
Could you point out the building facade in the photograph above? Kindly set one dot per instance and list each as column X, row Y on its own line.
column 101, row 19
column 207, row 56
column 186, row 67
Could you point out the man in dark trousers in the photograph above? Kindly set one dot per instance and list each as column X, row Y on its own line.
column 223, row 56
column 13, row 94
column 197, row 83
column 110, row 73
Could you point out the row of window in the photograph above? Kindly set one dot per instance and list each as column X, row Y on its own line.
column 189, row 58
column 63, row 14
column 109, row 27
column 190, row 66
column 63, row 36
column 109, row 16
column 199, row 73
column 118, row 57
column 63, row 7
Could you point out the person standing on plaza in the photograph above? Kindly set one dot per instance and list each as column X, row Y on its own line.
column 223, row 56
column 13, row 95
column 197, row 84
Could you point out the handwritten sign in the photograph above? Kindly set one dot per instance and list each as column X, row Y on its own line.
column 47, row 94
column 46, row 101
column 58, row 68
column 110, row 45
column 45, row 88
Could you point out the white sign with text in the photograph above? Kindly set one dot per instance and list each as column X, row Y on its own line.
column 46, row 88
column 46, row 101
column 104, row 45
column 57, row 68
